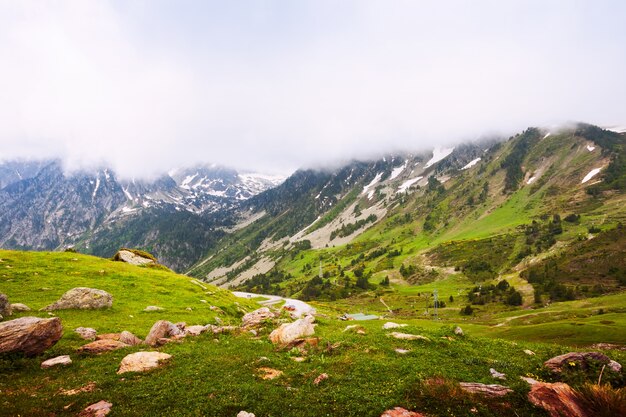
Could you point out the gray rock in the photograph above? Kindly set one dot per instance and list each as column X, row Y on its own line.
column 458, row 331
column 130, row 339
column 407, row 336
column 142, row 361
column 289, row 332
column 99, row 409
column 392, row 325
column 162, row 329
column 19, row 307
column 82, row 298
column 59, row 360
column 582, row 359
column 132, row 258
column 5, row 306
column 256, row 317
column 153, row 308
column 86, row 333
column 29, row 335
column 245, row 414
column 496, row 374
column 492, row 390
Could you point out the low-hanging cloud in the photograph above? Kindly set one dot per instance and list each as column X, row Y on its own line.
column 147, row 86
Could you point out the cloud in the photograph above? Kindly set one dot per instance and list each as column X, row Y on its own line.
column 146, row 86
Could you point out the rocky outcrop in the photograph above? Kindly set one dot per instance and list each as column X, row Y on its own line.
column 401, row 412
column 82, row 298
column 29, row 335
column 289, row 332
column 99, row 409
column 492, row 390
column 134, row 257
column 558, row 399
column 581, row 359
column 161, row 331
column 86, row 333
column 59, row 360
column 101, row 346
column 256, row 318
column 5, row 306
column 19, row 308
column 142, row 361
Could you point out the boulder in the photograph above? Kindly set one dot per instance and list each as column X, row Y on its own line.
column 101, row 346
column 492, row 390
column 458, row 331
column 130, row 339
column 401, row 412
column 558, row 399
column 392, row 325
column 407, row 336
column 86, row 333
column 289, row 332
column 19, row 307
column 581, row 359
column 29, row 335
column 5, row 306
column 196, row 330
column 255, row 318
column 142, row 361
column 99, row 409
column 59, row 360
column 82, row 298
column 162, row 329
column 133, row 257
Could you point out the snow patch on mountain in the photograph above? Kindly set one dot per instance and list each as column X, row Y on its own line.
column 471, row 163
column 372, row 183
column 406, row 184
column 590, row 175
column 397, row 171
column 438, row 155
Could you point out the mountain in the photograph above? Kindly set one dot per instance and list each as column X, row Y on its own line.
column 470, row 214
column 41, row 207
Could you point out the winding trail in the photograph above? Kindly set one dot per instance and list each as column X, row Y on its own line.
column 300, row 307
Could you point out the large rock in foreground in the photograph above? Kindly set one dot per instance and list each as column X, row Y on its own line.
column 142, row 361
column 289, row 332
column 581, row 359
column 82, row 298
column 29, row 335
column 558, row 399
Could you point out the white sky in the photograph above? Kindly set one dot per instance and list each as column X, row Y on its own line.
column 143, row 86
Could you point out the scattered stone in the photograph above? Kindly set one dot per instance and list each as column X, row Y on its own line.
column 496, row 374
column 402, row 351
column 406, row 336
column 99, row 409
column 614, row 366
column 253, row 332
column 217, row 309
column 133, row 258
column 86, row 333
column 162, row 329
column 558, row 399
column 130, row 339
column 392, row 325
column 142, row 361
column 108, row 336
column 298, row 359
column 256, row 318
column 221, row 329
column 29, row 335
column 5, row 306
column 607, row 346
column 204, row 301
column 153, row 308
column 269, row 373
column 582, row 359
column 289, row 332
column 356, row 328
column 245, row 414
column 529, row 352
column 101, row 346
column 360, row 331
column 492, row 390
column 87, row 388
column 530, row 381
column 458, row 331
column 82, row 298
column 59, row 360
column 401, row 412
column 19, row 307
column 196, row 330
column 189, row 309
column 320, row 378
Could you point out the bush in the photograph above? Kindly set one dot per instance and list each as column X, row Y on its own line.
column 467, row 311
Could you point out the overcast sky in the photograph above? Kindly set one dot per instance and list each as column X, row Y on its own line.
column 144, row 86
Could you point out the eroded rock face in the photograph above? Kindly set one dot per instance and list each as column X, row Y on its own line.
column 401, row 412
column 59, row 360
column 132, row 258
column 558, row 399
column 82, row 298
column 142, row 361
column 255, row 318
column 581, row 359
column 289, row 332
column 101, row 346
column 5, row 306
column 162, row 329
column 29, row 335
